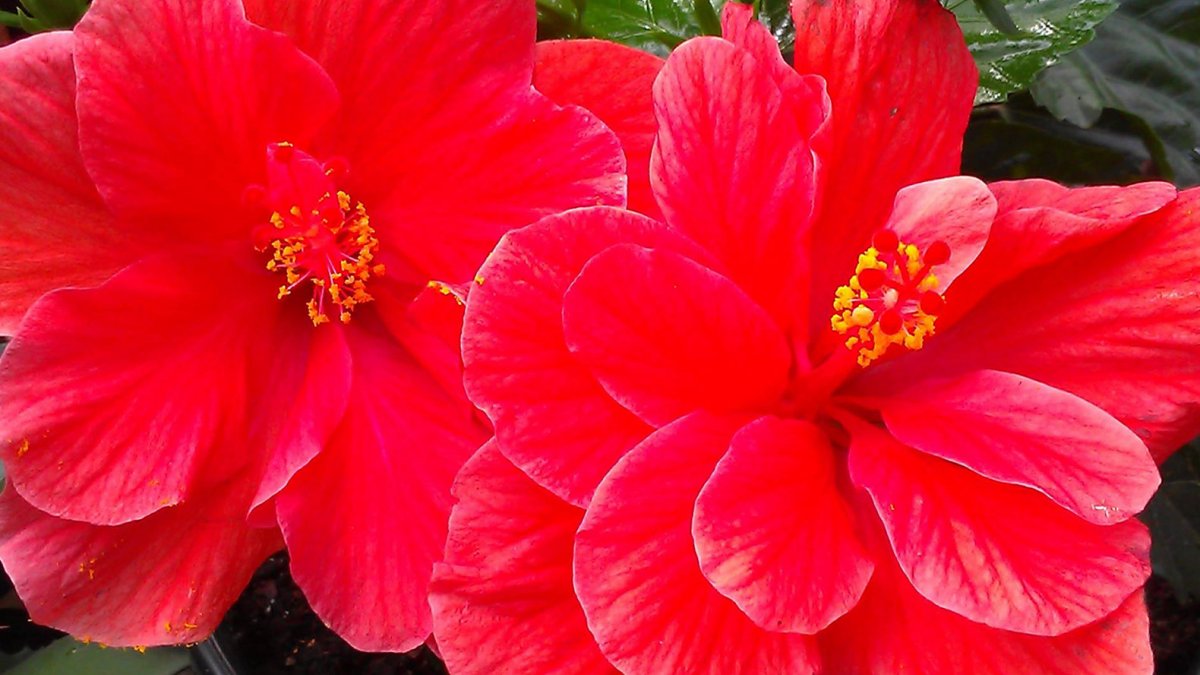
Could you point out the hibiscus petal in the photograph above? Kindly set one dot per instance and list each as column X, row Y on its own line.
column 958, row 211
column 119, row 400
column 665, row 335
column 54, row 229
column 613, row 82
column 773, row 532
column 901, row 83
column 296, row 437
column 439, row 134
column 167, row 579
column 732, row 169
column 504, row 601
column 1117, row 324
column 177, row 102
column 998, row 554
column 553, row 420
column 365, row 520
column 430, row 328
column 1013, row 429
column 448, row 144
column 1039, row 221
column 909, row 634
column 804, row 93
column 638, row 578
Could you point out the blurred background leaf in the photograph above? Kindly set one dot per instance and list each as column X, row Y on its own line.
column 69, row 657
column 653, row 25
column 1145, row 61
column 1174, row 519
column 36, row 16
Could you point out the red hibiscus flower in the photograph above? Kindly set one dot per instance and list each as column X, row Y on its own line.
column 838, row 412
column 214, row 228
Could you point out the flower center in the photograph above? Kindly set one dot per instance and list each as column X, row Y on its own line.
column 891, row 299
column 316, row 234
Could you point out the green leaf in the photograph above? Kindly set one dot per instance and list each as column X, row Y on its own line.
column 654, row 25
column 1045, row 30
column 1173, row 516
column 1145, row 61
column 68, row 656
column 38, row 16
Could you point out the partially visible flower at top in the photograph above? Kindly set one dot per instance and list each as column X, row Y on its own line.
column 215, row 242
column 838, row 412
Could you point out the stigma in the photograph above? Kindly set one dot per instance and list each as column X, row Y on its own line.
column 892, row 298
column 317, row 236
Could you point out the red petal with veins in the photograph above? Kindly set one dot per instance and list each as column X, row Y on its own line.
column 614, row 83
column 120, row 400
column 692, row 340
column 774, row 532
column 553, row 420
column 362, row 548
column 297, row 435
column 177, row 102
column 715, row 102
column 895, row 630
column 1013, row 429
column 1039, row 221
column 165, row 579
column 805, row 94
column 639, row 580
column 998, row 554
column 504, row 601
column 1117, row 324
column 901, row 83
column 54, row 229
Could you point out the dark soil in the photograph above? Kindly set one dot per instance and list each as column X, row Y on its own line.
column 1174, row 630
column 271, row 630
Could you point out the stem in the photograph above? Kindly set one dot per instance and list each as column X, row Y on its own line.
column 210, row 658
column 706, row 16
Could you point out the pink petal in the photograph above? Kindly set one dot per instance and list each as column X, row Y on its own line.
column 54, row 229
column 120, row 400
column 805, row 94
column 958, row 211
column 553, row 420
column 1019, row 431
column 895, row 630
column 732, row 169
column 998, row 554
column 503, row 601
column 1116, row 324
column 692, row 340
column 613, row 82
column 183, row 138
column 901, row 83
column 167, row 579
column 1040, row 221
column 638, row 578
column 774, row 533
column 365, row 521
